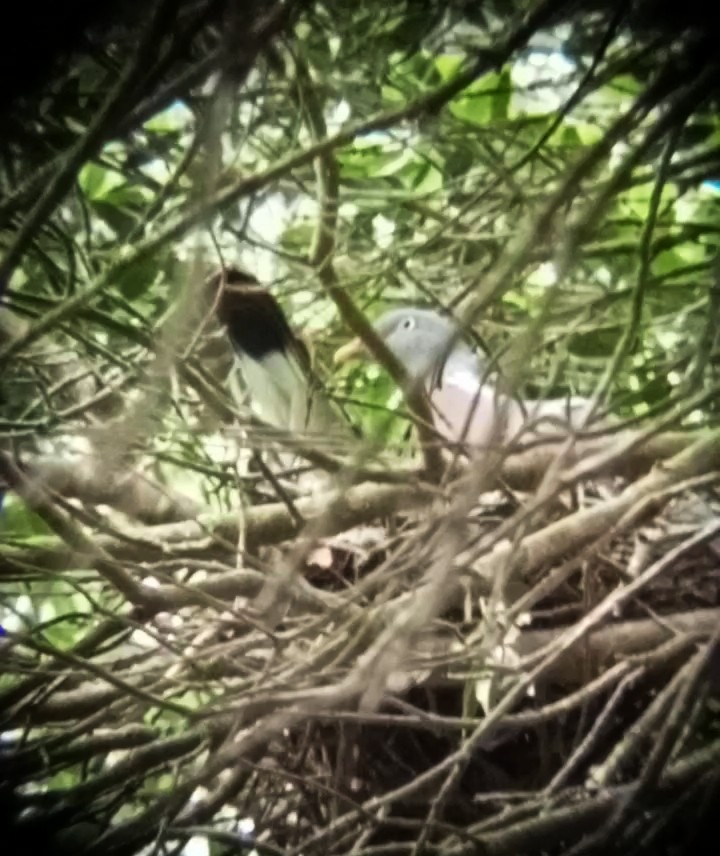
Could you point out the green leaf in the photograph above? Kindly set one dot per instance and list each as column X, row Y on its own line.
column 297, row 236
column 97, row 181
column 372, row 160
column 136, row 279
column 175, row 118
column 18, row 521
column 428, row 179
column 588, row 133
column 574, row 135
column 448, row 65
column 119, row 220
column 565, row 136
column 622, row 87
column 691, row 252
column 65, row 779
column 128, row 196
column 378, row 420
column 599, row 343
column 667, row 262
column 656, row 390
column 392, row 95
column 63, row 634
column 515, row 300
column 396, row 164
column 484, row 101
column 635, row 201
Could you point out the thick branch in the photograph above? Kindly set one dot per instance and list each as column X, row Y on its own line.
column 133, row 493
column 273, row 523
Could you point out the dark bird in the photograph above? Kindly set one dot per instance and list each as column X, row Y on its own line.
column 274, row 362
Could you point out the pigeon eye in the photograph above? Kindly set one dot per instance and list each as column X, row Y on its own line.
column 408, row 324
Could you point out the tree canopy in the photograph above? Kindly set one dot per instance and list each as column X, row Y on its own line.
column 511, row 653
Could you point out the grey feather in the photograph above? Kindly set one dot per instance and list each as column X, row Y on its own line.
column 423, row 341
column 433, row 352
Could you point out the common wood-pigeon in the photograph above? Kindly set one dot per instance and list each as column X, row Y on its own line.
column 466, row 407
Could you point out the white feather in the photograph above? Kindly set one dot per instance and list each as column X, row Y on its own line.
column 284, row 396
column 273, row 382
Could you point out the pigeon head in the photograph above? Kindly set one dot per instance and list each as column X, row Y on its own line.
column 421, row 339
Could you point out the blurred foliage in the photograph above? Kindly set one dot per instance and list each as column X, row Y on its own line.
column 428, row 205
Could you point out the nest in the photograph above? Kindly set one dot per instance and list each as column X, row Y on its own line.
column 369, row 692
column 396, row 667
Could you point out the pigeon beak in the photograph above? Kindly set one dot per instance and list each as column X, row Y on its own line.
column 354, row 350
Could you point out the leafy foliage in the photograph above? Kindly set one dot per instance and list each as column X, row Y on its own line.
column 550, row 178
